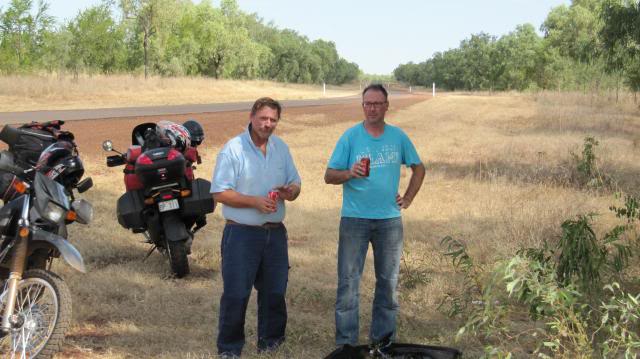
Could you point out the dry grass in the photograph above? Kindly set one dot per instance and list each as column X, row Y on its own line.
column 29, row 93
column 499, row 178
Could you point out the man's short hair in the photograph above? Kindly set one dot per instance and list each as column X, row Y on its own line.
column 376, row 87
column 266, row 101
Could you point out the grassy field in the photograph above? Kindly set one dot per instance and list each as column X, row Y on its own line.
column 500, row 176
column 29, row 93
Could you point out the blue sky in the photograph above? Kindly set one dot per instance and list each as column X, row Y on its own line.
column 379, row 35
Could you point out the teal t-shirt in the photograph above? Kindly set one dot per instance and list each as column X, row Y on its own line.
column 373, row 197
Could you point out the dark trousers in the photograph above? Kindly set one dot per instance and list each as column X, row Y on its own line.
column 253, row 257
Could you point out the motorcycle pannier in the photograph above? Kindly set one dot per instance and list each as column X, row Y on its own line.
column 26, row 143
column 201, row 201
column 160, row 166
column 129, row 211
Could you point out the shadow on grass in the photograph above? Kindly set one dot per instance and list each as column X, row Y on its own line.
column 564, row 174
column 492, row 169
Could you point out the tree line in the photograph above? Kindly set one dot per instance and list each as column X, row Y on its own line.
column 167, row 38
column 588, row 45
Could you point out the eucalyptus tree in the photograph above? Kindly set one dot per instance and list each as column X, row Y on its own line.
column 574, row 29
column 477, row 53
column 225, row 49
column 24, row 26
column 621, row 38
column 96, row 41
column 146, row 19
column 515, row 61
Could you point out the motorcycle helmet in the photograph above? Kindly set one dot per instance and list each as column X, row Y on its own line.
column 61, row 163
column 177, row 134
column 195, row 131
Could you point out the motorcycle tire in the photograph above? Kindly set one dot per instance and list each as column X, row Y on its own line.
column 177, row 252
column 44, row 305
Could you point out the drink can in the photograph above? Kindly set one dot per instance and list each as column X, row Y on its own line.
column 366, row 162
column 274, row 195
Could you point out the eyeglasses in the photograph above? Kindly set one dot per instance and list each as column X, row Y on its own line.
column 374, row 104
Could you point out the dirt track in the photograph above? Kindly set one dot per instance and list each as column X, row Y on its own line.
column 219, row 127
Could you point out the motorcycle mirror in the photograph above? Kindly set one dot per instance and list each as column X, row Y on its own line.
column 107, row 145
column 84, row 185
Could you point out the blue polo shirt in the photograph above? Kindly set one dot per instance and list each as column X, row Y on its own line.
column 242, row 167
column 373, row 197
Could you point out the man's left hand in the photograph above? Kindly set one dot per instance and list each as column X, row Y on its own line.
column 288, row 192
column 402, row 202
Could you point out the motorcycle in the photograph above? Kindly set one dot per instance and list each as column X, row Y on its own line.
column 386, row 349
column 35, row 302
column 163, row 200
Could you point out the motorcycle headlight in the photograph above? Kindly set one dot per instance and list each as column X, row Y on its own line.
column 53, row 212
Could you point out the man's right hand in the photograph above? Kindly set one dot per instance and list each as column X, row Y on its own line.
column 357, row 170
column 333, row 176
column 265, row 205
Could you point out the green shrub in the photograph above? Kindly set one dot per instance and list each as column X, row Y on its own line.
column 560, row 288
column 588, row 172
column 580, row 256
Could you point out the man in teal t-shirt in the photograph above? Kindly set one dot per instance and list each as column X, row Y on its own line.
column 371, row 213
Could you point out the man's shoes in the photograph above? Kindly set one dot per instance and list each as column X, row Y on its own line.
column 265, row 346
column 226, row 355
column 347, row 351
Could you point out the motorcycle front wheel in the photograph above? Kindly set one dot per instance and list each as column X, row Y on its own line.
column 178, row 260
column 43, row 306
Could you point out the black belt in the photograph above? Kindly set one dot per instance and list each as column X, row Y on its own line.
column 267, row 225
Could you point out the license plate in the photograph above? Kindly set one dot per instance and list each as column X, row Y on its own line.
column 168, row 205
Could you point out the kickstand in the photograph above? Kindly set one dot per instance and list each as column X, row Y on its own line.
column 149, row 253
column 147, row 238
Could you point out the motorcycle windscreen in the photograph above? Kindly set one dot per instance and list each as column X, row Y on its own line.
column 47, row 189
column 137, row 134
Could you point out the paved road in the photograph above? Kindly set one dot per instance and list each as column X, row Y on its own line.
column 92, row 114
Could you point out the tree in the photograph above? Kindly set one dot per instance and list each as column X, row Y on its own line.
column 574, row 30
column 23, row 34
column 621, row 38
column 96, row 41
column 328, row 56
column 56, row 51
column 225, row 49
column 514, row 64
column 477, row 53
column 148, row 17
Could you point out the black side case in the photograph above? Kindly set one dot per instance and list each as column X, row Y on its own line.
column 201, row 201
column 129, row 211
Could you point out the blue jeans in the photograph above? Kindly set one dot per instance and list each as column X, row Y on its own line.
column 253, row 257
column 385, row 236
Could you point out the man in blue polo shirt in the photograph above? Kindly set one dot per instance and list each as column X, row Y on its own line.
column 371, row 213
column 254, row 240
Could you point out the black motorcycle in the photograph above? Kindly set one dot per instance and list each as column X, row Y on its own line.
column 35, row 302
column 385, row 349
column 163, row 200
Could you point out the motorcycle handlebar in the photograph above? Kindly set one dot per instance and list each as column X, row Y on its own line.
column 115, row 160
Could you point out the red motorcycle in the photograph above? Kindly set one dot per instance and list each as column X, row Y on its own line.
column 163, row 199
